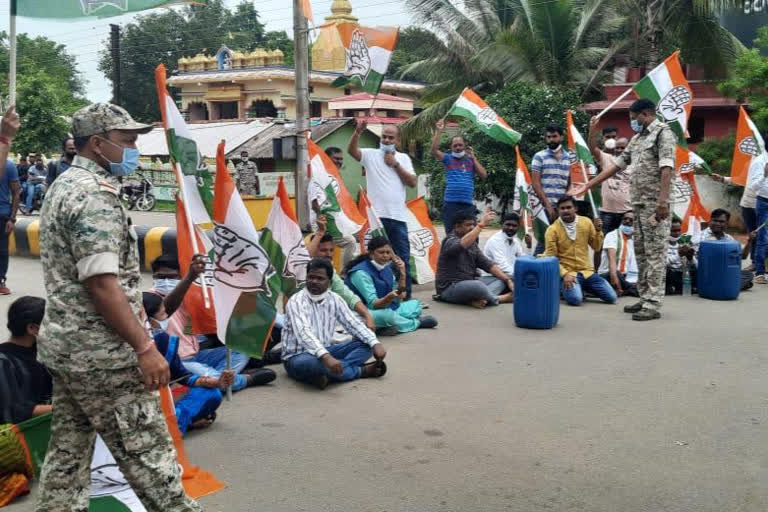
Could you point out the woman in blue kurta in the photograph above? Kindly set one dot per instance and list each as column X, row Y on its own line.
column 370, row 276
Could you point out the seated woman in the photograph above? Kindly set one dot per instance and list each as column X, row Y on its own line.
column 371, row 278
column 197, row 407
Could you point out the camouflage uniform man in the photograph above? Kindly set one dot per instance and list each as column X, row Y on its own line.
column 651, row 152
column 105, row 367
column 247, row 182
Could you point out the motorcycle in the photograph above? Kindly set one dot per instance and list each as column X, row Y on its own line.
column 139, row 195
column 37, row 202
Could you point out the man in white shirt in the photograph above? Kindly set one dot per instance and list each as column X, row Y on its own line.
column 387, row 174
column 311, row 315
column 757, row 182
column 503, row 249
column 618, row 264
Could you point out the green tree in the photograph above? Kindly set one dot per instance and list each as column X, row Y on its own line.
column 528, row 108
column 748, row 78
column 279, row 40
column 717, row 152
column 413, row 45
column 39, row 106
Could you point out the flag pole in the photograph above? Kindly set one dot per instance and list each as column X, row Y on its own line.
column 12, row 64
column 613, row 103
column 589, row 192
column 193, row 233
column 229, row 367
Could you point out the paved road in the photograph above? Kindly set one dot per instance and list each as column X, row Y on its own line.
column 599, row 414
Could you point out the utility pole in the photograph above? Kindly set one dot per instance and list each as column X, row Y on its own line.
column 114, row 36
column 301, row 59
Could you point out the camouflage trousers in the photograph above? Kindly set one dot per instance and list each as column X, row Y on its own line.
column 651, row 255
column 248, row 184
column 115, row 404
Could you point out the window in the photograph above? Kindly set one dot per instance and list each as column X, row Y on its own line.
column 316, row 109
column 696, row 127
column 262, row 108
column 347, row 91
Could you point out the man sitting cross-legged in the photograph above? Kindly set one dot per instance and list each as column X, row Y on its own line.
column 568, row 239
column 618, row 264
column 311, row 316
column 503, row 249
column 460, row 257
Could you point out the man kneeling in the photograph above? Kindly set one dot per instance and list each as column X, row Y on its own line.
column 460, row 257
column 569, row 239
column 310, row 318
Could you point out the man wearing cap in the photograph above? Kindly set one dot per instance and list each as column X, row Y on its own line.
column 105, row 367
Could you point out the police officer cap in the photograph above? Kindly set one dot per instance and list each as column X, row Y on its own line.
column 103, row 117
column 642, row 105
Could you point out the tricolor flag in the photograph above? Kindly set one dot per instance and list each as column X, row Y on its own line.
column 585, row 163
column 203, row 319
column 372, row 226
column 243, row 292
column 525, row 199
column 368, row 51
column 688, row 161
column 684, row 197
column 471, row 106
column 183, row 150
column 667, row 87
column 284, row 242
column 749, row 145
column 425, row 247
column 83, row 8
column 334, row 199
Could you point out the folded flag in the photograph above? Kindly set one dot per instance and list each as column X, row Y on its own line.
column 667, row 87
column 326, row 186
column 244, row 292
column 469, row 105
column 526, row 200
column 84, row 8
column 425, row 248
column 372, row 226
column 284, row 242
column 749, row 146
column 368, row 52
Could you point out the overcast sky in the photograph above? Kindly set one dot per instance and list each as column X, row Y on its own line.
column 84, row 38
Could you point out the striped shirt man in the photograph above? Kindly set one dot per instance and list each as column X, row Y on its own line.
column 554, row 172
column 310, row 326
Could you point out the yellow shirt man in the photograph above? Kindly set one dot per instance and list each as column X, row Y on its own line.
column 573, row 249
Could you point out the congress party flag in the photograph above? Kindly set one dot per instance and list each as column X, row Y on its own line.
column 368, row 51
column 688, row 161
column 749, row 146
column 85, row 8
column 667, row 87
column 425, row 247
column 183, row 150
column 243, row 291
column 526, row 200
column 576, row 142
column 203, row 318
column 327, row 187
column 685, row 200
column 469, row 105
column 284, row 242
column 372, row 226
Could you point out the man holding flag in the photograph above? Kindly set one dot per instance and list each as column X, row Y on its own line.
column 651, row 152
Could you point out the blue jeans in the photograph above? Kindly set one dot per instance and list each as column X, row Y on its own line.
column 32, row 191
column 593, row 284
column 3, row 248
column 212, row 361
column 464, row 292
column 450, row 209
column 750, row 222
column 397, row 232
column 762, row 236
column 352, row 354
column 197, row 404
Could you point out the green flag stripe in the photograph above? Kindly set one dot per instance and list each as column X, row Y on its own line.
column 275, row 253
column 85, row 8
column 645, row 89
column 372, row 82
column 250, row 323
column 331, row 211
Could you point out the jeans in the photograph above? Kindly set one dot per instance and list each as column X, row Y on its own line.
column 32, row 190
column 212, row 361
column 593, row 284
column 611, row 221
column 450, row 209
column 353, row 354
column 630, row 289
column 762, row 236
column 397, row 232
column 750, row 222
column 464, row 292
column 3, row 248
column 197, row 404
column 494, row 284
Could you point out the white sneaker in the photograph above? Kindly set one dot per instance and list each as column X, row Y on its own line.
column 761, row 279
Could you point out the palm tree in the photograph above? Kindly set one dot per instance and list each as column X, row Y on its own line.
column 492, row 42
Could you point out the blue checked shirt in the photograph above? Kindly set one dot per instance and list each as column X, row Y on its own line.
column 554, row 173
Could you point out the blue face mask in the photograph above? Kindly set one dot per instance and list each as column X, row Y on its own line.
column 165, row 286
column 128, row 165
column 636, row 125
column 627, row 230
column 387, row 148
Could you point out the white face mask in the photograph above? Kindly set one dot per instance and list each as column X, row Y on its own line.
column 165, row 286
column 380, row 266
column 317, row 298
column 387, row 148
column 459, row 154
column 609, row 144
